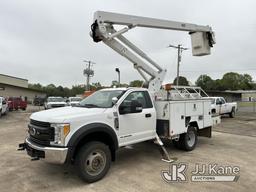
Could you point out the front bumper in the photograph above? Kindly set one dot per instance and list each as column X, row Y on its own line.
column 54, row 155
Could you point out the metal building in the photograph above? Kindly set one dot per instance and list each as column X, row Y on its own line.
column 17, row 87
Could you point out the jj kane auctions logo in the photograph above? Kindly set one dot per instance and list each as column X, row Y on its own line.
column 201, row 173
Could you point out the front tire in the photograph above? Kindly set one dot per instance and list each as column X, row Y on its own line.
column 93, row 161
column 188, row 140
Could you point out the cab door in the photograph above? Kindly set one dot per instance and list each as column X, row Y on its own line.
column 224, row 107
column 137, row 127
column 218, row 106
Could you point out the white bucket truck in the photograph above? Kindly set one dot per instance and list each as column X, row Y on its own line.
column 89, row 134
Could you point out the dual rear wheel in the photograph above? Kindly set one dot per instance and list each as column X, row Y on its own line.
column 188, row 140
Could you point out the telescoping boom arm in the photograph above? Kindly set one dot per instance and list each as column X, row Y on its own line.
column 103, row 30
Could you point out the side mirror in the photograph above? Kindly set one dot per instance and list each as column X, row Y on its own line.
column 114, row 100
column 136, row 107
column 131, row 107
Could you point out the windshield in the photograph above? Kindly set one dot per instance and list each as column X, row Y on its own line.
column 75, row 99
column 55, row 99
column 101, row 99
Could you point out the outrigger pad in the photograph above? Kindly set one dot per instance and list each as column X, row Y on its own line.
column 165, row 156
column 170, row 160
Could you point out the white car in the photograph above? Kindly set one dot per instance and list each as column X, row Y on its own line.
column 3, row 106
column 74, row 101
column 53, row 102
column 219, row 106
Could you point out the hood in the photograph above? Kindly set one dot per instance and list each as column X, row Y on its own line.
column 65, row 114
column 74, row 102
column 56, row 103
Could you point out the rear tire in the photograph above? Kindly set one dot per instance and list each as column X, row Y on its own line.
column 93, row 161
column 188, row 140
column 232, row 113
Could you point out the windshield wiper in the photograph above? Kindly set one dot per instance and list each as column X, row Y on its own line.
column 89, row 105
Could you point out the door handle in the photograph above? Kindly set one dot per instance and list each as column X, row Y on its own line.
column 148, row 115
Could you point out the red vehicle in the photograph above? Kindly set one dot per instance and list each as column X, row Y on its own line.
column 15, row 103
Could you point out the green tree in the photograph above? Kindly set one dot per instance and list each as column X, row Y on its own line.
column 136, row 83
column 182, row 81
column 114, row 83
column 77, row 90
column 96, row 86
column 218, row 85
column 36, row 86
column 235, row 81
column 246, row 82
column 205, row 82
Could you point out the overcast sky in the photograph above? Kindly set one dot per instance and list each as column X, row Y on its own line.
column 46, row 41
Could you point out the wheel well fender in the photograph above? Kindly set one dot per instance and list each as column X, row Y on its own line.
column 92, row 132
column 193, row 124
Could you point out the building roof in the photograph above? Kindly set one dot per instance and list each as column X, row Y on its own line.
column 13, row 77
column 240, row 91
column 20, row 88
column 16, row 81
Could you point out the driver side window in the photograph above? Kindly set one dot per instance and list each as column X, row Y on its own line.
column 141, row 97
column 218, row 101
column 222, row 101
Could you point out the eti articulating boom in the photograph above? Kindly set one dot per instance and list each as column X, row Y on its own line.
column 89, row 134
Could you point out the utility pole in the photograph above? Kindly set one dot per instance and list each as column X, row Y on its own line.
column 88, row 72
column 118, row 72
column 180, row 49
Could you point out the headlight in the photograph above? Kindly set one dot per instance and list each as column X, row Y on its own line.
column 61, row 130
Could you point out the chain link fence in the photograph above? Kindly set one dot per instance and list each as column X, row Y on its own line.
column 247, row 106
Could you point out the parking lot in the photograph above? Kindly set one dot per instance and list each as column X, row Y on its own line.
column 138, row 167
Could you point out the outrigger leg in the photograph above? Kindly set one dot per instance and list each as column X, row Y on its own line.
column 163, row 151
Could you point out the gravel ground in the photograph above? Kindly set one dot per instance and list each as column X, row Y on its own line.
column 138, row 167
